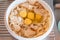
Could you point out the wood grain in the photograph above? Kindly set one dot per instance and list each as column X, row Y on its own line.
column 4, row 34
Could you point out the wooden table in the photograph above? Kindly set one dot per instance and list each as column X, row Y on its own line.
column 4, row 34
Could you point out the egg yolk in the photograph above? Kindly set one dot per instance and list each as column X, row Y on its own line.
column 27, row 21
column 23, row 13
column 30, row 15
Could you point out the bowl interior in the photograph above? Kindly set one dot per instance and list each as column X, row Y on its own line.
column 14, row 4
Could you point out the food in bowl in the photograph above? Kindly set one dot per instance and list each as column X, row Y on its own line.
column 29, row 19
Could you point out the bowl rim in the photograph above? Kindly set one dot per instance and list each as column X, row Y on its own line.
column 19, row 37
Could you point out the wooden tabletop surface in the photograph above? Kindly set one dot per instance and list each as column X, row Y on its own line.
column 4, row 34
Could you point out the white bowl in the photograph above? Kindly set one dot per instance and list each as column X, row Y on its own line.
column 16, row 2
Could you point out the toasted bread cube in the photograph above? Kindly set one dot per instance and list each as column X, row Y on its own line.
column 23, row 13
column 17, row 28
column 31, row 15
column 29, row 33
column 27, row 21
column 34, row 27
